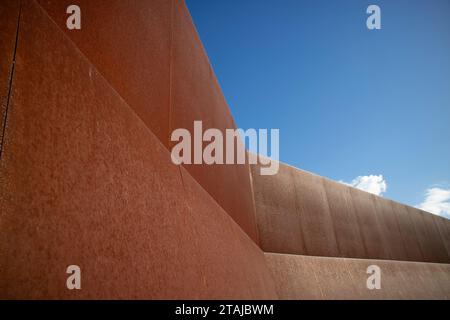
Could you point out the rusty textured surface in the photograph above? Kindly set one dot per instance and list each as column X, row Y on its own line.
column 83, row 181
column 86, row 179
column 348, row 234
column 306, row 277
column 276, row 198
column 372, row 233
column 408, row 232
column 390, row 227
column 196, row 95
column 316, row 221
column 443, row 226
column 9, row 15
column 299, row 224
column 129, row 43
column 150, row 52
column 431, row 243
column 301, row 213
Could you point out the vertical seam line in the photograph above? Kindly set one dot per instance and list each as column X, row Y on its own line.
column 13, row 63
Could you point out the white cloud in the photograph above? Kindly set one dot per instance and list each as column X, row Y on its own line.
column 373, row 184
column 437, row 201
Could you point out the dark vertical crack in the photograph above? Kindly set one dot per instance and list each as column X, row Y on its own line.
column 11, row 77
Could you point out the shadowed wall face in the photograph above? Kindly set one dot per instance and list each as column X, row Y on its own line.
column 150, row 53
column 301, row 213
column 443, row 226
column 85, row 182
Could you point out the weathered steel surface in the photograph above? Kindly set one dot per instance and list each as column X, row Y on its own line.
column 277, row 208
column 9, row 15
column 316, row 222
column 150, row 52
column 348, row 234
column 306, row 277
column 372, row 232
column 408, row 232
column 431, row 243
column 196, row 95
column 301, row 222
column 86, row 178
column 84, row 182
column 443, row 226
column 129, row 43
column 390, row 227
column 301, row 213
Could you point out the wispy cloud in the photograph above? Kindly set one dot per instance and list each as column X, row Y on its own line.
column 437, row 201
column 373, row 183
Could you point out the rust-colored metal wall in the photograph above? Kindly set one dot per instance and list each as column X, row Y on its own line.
column 86, row 178
column 443, row 226
column 301, row 213
column 306, row 277
column 150, row 52
column 347, row 230
column 196, row 95
column 85, row 182
column 373, row 234
column 9, row 15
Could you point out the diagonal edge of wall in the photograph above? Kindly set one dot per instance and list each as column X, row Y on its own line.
column 87, row 183
column 151, row 54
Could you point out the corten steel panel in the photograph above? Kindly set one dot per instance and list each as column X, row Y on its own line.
column 348, row 235
column 196, row 95
column 409, row 280
column 431, row 243
column 151, row 54
column 422, row 235
column 392, row 279
column 300, row 198
column 317, row 224
column 342, row 286
column 9, row 15
column 373, row 235
column 339, row 221
column 294, row 276
column 408, row 232
column 436, row 242
column 434, row 276
column 443, row 225
column 279, row 220
column 391, row 230
column 305, row 277
column 438, row 273
column 236, row 248
column 83, row 181
column 129, row 44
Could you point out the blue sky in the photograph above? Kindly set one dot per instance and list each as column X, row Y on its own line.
column 348, row 101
